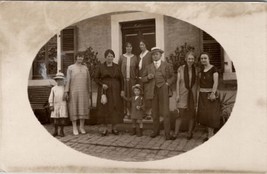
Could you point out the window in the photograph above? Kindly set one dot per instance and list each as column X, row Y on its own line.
column 45, row 63
column 68, row 48
column 211, row 46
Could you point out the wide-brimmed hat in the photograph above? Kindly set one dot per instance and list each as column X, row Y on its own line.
column 138, row 87
column 156, row 49
column 59, row 75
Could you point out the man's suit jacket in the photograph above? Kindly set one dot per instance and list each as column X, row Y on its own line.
column 149, row 84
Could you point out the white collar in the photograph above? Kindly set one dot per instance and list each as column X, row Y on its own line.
column 157, row 62
column 128, row 56
column 143, row 54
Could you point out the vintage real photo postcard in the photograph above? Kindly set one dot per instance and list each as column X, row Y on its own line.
column 133, row 87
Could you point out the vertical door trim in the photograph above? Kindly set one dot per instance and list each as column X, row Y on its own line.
column 116, row 39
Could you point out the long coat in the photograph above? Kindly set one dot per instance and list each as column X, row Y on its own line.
column 112, row 111
column 139, row 101
column 149, row 85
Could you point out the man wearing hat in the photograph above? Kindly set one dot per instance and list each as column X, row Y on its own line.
column 157, row 79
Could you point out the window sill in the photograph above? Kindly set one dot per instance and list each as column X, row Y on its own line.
column 42, row 82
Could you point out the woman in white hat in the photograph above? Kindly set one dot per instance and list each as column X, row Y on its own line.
column 58, row 105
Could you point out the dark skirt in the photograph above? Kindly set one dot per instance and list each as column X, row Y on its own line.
column 208, row 111
column 112, row 111
column 186, row 114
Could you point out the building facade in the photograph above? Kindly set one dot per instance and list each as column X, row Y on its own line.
column 113, row 30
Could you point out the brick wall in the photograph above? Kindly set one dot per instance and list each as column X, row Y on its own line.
column 178, row 32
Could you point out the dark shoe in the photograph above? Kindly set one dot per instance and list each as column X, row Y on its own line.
column 55, row 134
column 205, row 139
column 139, row 132
column 133, row 131
column 189, row 136
column 104, row 133
column 173, row 137
column 55, row 131
column 115, row 132
column 148, row 117
column 168, row 137
column 61, row 133
column 154, row 134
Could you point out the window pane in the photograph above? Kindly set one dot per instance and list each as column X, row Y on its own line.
column 52, row 56
column 38, row 63
column 45, row 62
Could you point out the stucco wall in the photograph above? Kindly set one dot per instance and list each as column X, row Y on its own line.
column 178, row 32
column 95, row 32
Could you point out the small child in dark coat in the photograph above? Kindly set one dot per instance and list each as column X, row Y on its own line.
column 137, row 113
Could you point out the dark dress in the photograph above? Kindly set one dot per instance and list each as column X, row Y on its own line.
column 208, row 111
column 112, row 111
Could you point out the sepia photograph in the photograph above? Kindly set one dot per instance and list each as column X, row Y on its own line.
column 96, row 86
column 133, row 87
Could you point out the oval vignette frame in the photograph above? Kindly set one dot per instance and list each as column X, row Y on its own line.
column 116, row 27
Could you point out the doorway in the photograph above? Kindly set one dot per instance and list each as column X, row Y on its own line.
column 134, row 31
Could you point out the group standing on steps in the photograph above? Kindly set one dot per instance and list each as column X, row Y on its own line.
column 138, row 87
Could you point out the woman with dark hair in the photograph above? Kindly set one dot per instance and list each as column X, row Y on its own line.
column 186, row 94
column 144, row 59
column 128, row 63
column 208, row 106
column 77, row 92
column 109, row 78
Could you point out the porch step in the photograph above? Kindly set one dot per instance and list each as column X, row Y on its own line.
column 145, row 121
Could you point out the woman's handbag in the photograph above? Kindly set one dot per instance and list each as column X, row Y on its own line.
column 104, row 98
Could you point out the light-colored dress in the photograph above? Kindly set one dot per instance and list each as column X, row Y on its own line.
column 129, row 69
column 183, row 92
column 56, row 100
column 79, row 87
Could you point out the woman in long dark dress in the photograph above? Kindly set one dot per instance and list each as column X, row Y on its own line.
column 110, row 82
column 208, row 106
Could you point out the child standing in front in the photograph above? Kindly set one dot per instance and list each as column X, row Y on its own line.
column 58, row 106
column 136, row 110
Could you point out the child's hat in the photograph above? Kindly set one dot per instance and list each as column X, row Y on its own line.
column 138, row 86
column 59, row 75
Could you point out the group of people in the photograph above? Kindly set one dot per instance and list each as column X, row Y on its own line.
column 138, row 87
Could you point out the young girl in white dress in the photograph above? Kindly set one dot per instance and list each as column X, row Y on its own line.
column 58, row 105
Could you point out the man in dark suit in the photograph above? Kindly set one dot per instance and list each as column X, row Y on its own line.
column 157, row 78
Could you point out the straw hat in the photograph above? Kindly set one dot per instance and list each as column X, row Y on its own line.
column 156, row 49
column 59, row 75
